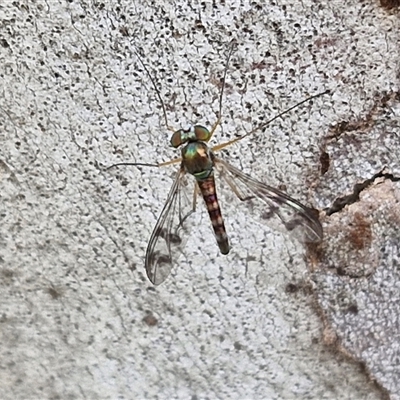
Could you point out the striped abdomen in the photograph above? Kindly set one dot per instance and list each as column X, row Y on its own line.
column 207, row 187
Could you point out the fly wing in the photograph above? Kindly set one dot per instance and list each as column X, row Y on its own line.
column 171, row 231
column 299, row 220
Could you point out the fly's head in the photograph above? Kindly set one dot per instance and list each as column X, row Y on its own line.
column 195, row 133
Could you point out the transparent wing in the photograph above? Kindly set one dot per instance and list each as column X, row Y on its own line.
column 299, row 220
column 171, row 230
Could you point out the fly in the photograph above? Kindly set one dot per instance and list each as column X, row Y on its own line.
column 199, row 160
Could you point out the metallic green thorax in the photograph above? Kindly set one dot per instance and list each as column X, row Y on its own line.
column 197, row 160
column 196, row 156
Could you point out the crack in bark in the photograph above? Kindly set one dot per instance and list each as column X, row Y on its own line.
column 341, row 202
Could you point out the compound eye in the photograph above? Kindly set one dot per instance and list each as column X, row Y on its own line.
column 176, row 139
column 202, row 133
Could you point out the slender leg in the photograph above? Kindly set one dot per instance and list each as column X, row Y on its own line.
column 195, row 193
column 263, row 126
column 153, row 82
column 235, row 189
column 170, row 162
column 222, row 91
column 225, row 144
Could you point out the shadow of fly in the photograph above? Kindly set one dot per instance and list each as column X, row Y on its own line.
column 199, row 160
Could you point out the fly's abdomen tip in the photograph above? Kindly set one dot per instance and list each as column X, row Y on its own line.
column 224, row 247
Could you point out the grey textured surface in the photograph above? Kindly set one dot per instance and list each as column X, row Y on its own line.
column 79, row 318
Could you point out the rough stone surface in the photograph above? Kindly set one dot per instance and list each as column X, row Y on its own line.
column 79, row 318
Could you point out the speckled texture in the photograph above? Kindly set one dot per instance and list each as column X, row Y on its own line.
column 78, row 317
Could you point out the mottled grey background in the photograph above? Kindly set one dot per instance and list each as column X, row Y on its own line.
column 79, row 318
